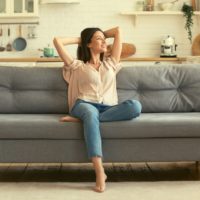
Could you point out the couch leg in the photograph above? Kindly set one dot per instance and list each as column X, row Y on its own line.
column 197, row 168
column 197, row 164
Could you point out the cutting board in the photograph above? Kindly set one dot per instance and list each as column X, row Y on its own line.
column 127, row 50
column 196, row 46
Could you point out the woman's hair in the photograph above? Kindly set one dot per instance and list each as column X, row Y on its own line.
column 83, row 52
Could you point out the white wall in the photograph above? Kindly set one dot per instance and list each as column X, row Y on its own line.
column 69, row 20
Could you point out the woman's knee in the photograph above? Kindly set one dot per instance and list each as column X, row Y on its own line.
column 135, row 107
column 86, row 111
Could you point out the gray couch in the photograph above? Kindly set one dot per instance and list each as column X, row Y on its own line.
column 33, row 99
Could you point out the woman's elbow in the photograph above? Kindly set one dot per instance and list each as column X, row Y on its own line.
column 118, row 30
column 55, row 39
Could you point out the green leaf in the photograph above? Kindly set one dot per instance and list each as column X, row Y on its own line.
column 188, row 14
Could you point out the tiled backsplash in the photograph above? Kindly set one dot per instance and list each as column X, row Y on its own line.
column 70, row 19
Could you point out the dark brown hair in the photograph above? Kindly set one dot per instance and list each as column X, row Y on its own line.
column 83, row 52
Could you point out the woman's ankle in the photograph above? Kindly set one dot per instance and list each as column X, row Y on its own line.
column 98, row 165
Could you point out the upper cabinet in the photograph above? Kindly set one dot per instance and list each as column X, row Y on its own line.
column 18, row 8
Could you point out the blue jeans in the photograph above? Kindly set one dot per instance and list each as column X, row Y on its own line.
column 93, row 113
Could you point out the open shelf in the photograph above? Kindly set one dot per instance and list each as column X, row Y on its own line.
column 136, row 14
column 155, row 13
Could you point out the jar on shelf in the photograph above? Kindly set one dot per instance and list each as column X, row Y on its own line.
column 150, row 5
column 140, row 6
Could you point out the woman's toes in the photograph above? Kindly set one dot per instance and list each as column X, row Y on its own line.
column 100, row 183
column 99, row 189
column 69, row 119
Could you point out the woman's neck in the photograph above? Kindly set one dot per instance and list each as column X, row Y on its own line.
column 95, row 59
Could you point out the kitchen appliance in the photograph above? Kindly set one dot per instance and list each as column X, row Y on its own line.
column 1, row 35
column 9, row 45
column 168, row 47
column 31, row 32
column 47, row 51
column 19, row 44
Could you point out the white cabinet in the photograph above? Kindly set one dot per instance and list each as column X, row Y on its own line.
column 18, row 8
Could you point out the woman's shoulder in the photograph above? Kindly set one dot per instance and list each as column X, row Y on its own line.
column 75, row 64
column 110, row 62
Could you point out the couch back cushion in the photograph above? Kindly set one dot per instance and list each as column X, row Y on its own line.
column 32, row 90
column 159, row 88
column 162, row 88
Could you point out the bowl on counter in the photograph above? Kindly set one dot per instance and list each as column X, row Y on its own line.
column 167, row 6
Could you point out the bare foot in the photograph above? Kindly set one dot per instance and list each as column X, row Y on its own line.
column 100, row 182
column 69, row 119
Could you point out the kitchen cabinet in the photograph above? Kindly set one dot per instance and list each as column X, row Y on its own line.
column 18, row 8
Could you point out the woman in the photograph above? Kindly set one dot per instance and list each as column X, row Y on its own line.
column 92, row 94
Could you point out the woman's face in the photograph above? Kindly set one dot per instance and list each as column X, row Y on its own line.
column 98, row 43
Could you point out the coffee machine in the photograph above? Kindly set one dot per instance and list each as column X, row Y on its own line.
column 168, row 47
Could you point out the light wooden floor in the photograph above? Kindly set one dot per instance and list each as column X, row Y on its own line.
column 55, row 172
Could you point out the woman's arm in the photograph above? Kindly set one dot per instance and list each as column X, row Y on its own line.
column 117, row 44
column 60, row 43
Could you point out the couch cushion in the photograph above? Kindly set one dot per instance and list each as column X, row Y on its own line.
column 156, row 125
column 32, row 90
column 161, row 88
column 148, row 125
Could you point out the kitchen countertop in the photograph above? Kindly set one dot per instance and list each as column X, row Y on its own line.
column 30, row 59
column 154, row 59
column 57, row 59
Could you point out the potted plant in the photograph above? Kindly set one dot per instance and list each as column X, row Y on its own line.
column 188, row 14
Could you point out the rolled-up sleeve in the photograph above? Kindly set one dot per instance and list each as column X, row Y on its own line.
column 113, row 63
column 67, row 69
column 74, row 65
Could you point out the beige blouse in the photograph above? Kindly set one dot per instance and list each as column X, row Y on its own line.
column 89, row 84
